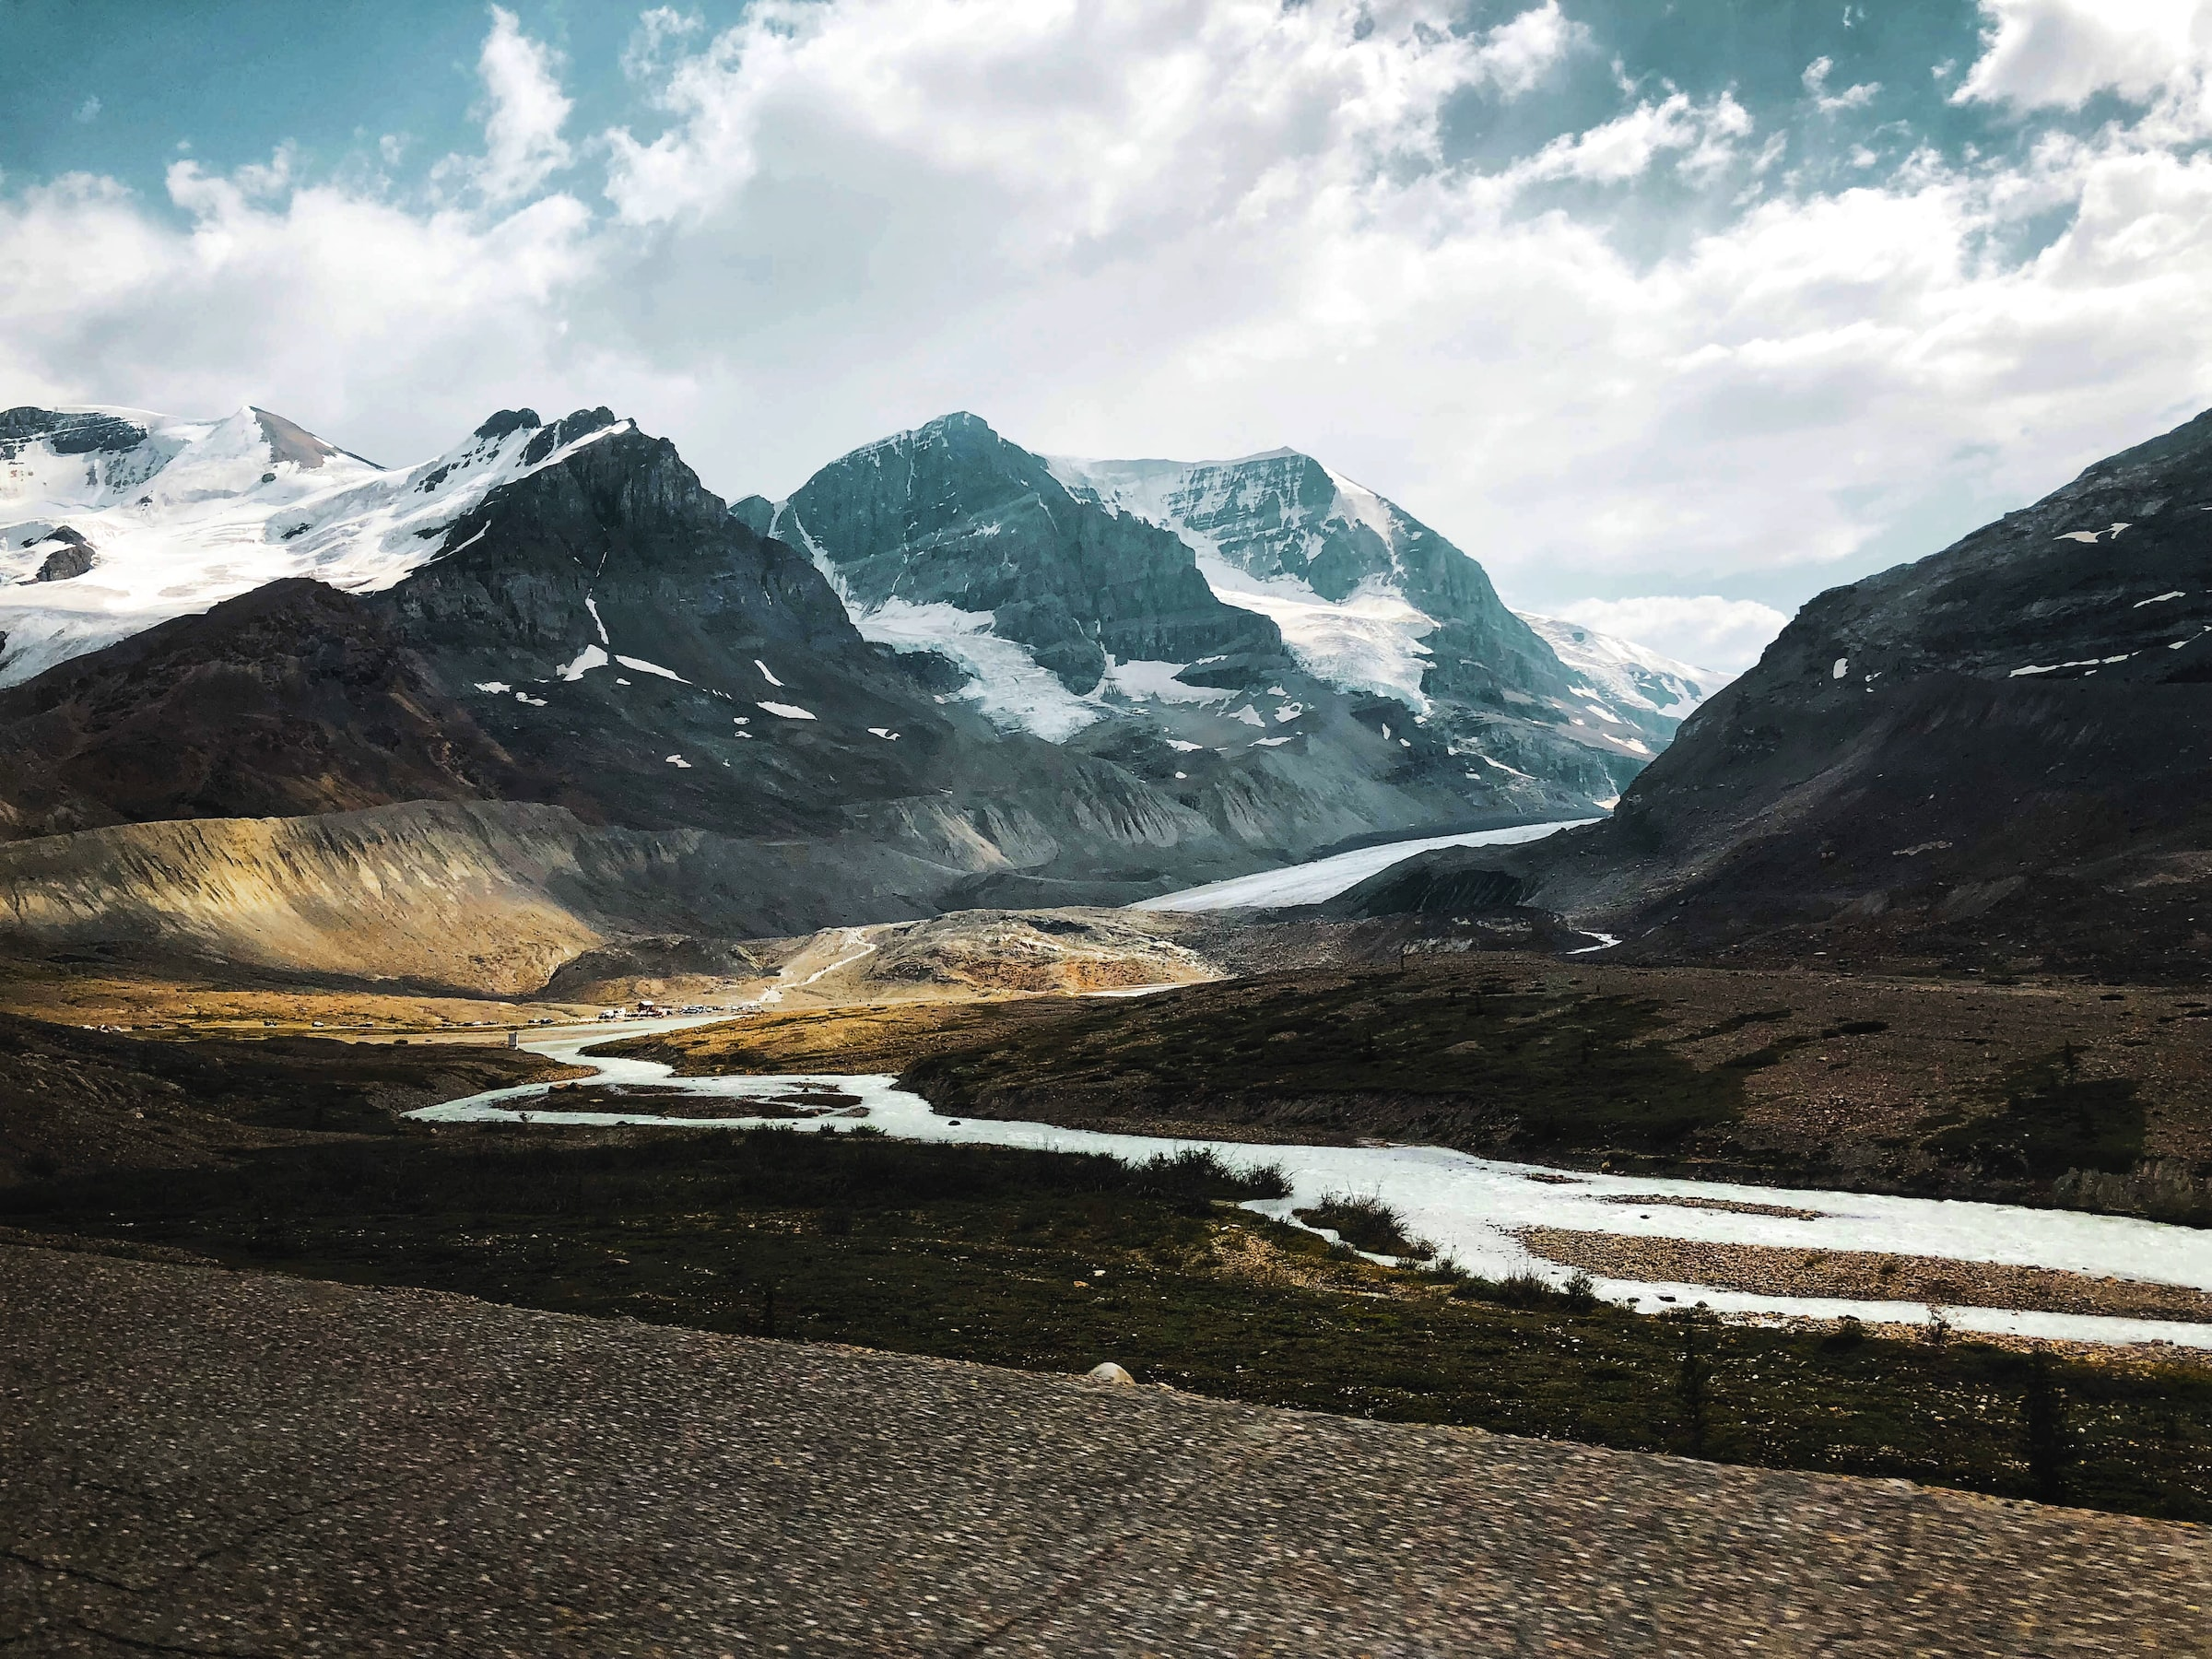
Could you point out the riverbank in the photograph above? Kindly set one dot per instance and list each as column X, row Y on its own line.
column 2043, row 1093
column 1052, row 1261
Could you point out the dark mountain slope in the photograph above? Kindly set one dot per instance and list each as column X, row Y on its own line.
column 612, row 624
column 2002, row 753
column 292, row 698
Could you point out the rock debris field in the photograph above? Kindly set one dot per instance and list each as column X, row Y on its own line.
column 195, row 1461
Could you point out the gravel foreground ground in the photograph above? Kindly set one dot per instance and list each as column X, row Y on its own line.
column 195, row 1460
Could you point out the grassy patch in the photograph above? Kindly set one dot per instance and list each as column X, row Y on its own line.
column 2054, row 1119
column 1367, row 1224
column 1054, row 1262
column 1490, row 1062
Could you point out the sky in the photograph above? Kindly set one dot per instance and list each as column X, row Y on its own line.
column 1673, row 314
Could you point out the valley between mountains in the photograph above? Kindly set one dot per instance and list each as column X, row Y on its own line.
column 344, row 808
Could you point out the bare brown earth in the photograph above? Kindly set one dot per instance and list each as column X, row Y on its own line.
column 223, row 999
column 1868, row 1276
column 218, row 1463
column 1944, row 1039
column 74, row 1100
column 965, row 956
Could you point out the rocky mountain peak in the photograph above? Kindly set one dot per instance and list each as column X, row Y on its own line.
column 952, row 515
column 505, row 422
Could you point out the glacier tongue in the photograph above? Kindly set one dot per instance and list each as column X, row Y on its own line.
column 1005, row 681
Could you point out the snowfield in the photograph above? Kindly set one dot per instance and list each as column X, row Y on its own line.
column 198, row 511
column 1626, row 675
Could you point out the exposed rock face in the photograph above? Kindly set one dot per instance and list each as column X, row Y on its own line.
column 952, row 513
column 1997, row 753
column 85, row 433
column 72, row 555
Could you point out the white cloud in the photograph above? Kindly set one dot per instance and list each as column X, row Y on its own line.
column 1163, row 227
column 87, row 112
column 1517, row 55
column 526, row 108
column 657, row 29
column 1630, row 146
column 1830, row 103
column 2058, row 53
column 1723, row 635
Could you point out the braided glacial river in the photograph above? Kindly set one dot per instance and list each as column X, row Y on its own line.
column 1472, row 1209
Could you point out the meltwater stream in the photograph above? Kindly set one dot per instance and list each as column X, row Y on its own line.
column 1470, row 1207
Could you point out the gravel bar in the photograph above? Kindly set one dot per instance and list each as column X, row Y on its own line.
column 196, row 1461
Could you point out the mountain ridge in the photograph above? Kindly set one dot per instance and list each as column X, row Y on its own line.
column 951, row 538
column 557, row 617
column 1992, row 755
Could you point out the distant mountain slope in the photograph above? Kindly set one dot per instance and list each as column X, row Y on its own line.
column 1642, row 686
column 558, row 617
column 1094, row 602
column 1369, row 596
column 1999, row 753
column 1356, row 584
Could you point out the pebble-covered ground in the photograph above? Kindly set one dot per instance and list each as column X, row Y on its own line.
column 1861, row 1275
column 211, row 1463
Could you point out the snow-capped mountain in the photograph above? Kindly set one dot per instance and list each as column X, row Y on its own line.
column 1354, row 585
column 1369, row 597
column 112, row 520
column 944, row 666
column 1269, row 592
column 557, row 628
column 1631, row 680
column 949, row 538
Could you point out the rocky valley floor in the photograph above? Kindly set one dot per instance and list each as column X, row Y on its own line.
column 215, row 1138
column 242, row 1463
